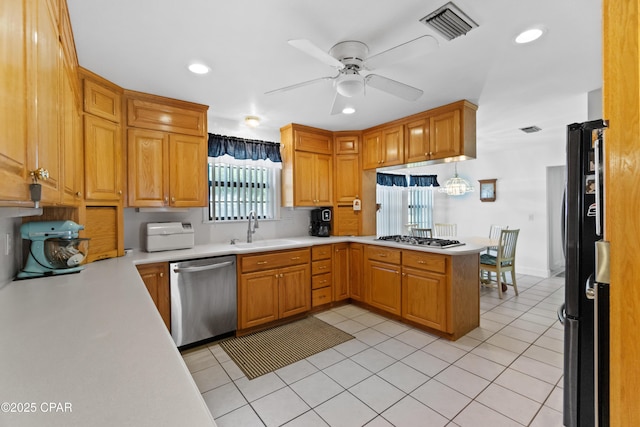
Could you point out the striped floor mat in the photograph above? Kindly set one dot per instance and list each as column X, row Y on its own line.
column 265, row 351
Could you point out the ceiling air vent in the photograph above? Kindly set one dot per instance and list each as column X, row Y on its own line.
column 449, row 21
column 530, row 129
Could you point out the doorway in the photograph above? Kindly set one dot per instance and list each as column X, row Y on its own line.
column 555, row 191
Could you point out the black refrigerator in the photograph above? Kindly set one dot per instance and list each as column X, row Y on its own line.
column 585, row 313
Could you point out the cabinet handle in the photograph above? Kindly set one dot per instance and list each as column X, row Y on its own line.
column 382, row 255
column 397, row 272
column 322, row 281
column 161, row 274
column 166, row 200
column 281, row 275
column 421, row 262
column 173, row 200
column 294, row 258
column 40, row 174
column 119, row 192
column 78, row 194
column 262, row 262
column 277, row 276
column 404, row 274
column 322, row 267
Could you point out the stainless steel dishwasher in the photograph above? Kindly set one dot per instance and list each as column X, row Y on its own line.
column 203, row 299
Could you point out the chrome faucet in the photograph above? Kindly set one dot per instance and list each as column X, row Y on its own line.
column 255, row 225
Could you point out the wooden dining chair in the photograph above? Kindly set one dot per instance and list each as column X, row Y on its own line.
column 448, row 230
column 421, row 232
column 503, row 262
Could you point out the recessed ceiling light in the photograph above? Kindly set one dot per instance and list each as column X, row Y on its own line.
column 527, row 36
column 199, row 68
column 348, row 110
column 252, row 121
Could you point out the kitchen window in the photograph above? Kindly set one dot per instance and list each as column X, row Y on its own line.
column 243, row 177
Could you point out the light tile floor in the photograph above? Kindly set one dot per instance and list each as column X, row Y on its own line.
column 507, row 372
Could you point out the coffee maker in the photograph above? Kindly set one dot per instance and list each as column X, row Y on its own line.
column 321, row 222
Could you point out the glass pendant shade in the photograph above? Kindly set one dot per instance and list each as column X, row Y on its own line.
column 456, row 186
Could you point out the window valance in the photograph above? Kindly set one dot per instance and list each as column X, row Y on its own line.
column 390, row 180
column 243, row 149
column 423, row 180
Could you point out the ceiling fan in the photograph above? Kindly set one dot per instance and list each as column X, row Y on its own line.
column 349, row 58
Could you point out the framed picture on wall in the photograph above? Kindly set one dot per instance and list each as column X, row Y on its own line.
column 487, row 190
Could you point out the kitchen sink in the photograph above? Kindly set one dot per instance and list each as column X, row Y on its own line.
column 267, row 243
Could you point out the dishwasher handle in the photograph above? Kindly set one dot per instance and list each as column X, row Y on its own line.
column 203, row 267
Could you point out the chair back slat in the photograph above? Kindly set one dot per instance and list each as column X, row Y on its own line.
column 421, row 232
column 507, row 246
column 446, row 230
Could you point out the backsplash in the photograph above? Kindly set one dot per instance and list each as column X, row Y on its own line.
column 293, row 222
column 10, row 264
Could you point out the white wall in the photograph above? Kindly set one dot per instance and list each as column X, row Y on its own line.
column 10, row 264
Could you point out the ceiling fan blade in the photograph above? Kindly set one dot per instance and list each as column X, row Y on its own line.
column 411, row 49
column 297, row 85
column 312, row 50
column 393, row 87
column 339, row 102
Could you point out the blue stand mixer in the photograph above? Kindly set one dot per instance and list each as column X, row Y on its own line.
column 55, row 248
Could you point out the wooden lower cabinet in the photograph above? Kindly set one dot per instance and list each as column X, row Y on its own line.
column 356, row 271
column 384, row 284
column 340, row 271
column 272, row 286
column 424, row 298
column 156, row 279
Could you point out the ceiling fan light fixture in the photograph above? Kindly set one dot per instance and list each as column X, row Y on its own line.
column 350, row 85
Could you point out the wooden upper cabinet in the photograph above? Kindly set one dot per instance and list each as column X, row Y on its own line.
column 104, row 161
column 187, row 171
column 383, row 147
column 313, row 141
column 346, row 143
column 168, row 115
column 102, row 101
column 417, row 140
column 445, row 134
column 307, row 173
column 71, row 132
column 45, row 129
column 347, row 173
column 16, row 154
column 148, row 177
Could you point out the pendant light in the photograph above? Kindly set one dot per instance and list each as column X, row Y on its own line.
column 456, row 186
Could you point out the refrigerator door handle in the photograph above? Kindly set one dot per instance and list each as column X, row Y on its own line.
column 589, row 289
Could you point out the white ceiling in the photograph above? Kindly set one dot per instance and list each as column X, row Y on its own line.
column 147, row 45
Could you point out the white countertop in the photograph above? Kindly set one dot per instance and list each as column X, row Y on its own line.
column 93, row 344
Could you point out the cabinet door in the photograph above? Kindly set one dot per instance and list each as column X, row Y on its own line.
column 356, row 266
column 393, row 146
column 103, row 160
column 148, row 168
column 295, row 290
column 156, row 279
column 424, row 298
column 323, row 180
column 384, row 286
column 188, row 171
column 445, row 138
column 14, row 148
column 73, row 160
column 371, row 156
column 102, row 101
column 347, row 144
column 340, row 271
column 417, row 141
column 316, row 142
column 347, row 178
column 47, row 86
column 304, row 182
column 258, row 298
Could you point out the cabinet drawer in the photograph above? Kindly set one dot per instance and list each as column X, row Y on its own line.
column 321, row 281
column 269, row 260
column 320, row 252
column 320, row 297
column 383, row 254
column 319, row 267
column 425, row 261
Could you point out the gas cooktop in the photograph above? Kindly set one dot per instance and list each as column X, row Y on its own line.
column 422, row 241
